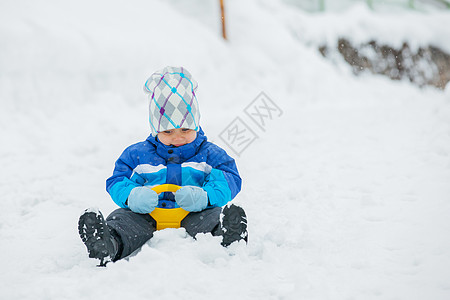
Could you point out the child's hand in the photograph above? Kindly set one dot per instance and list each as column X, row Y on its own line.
column 192, row 198
column 142, row 200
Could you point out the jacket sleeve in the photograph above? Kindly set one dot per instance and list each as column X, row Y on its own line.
column 223, row 183
column 119, row 184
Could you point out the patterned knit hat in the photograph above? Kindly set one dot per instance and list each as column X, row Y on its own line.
column 173, row 103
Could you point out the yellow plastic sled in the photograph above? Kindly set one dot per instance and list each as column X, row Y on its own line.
column 168, row 217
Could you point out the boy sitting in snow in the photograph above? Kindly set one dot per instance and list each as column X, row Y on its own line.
column 177, row 152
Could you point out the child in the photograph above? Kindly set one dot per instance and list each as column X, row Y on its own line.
column 177, row 152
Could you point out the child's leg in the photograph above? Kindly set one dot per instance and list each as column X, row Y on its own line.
column 233, row 227
column 132, row 230
column 204, row 221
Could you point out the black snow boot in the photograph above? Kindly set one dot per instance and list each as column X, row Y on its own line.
column 234, row 225
column 96, row 236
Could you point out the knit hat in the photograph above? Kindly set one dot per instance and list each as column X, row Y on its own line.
column 173, row 103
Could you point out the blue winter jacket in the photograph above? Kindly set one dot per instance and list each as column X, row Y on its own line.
column 199, row 163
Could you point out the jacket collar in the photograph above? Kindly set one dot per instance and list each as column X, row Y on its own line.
column 178, row 154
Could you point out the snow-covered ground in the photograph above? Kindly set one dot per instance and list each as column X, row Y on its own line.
column 347, row 192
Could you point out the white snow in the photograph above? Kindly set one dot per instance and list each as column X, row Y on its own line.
column 95, row 210
column 360, row 25
column 347, row 193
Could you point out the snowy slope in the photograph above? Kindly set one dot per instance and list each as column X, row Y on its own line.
column 347, row 192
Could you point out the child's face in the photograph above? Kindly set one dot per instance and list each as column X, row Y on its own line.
column 177, row 137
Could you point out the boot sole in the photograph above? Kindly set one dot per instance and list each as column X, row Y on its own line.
column 93, row 232
column 234, row 225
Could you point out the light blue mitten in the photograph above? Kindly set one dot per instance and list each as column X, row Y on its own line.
column 192, row 198
column 142, row 200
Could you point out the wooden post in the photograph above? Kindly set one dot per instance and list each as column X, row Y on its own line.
column 222, row 11
column 322, row 5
